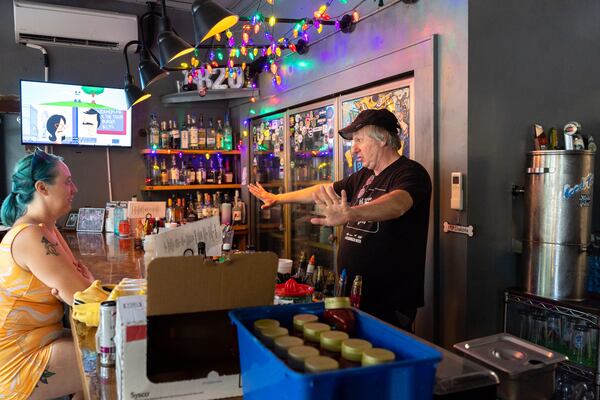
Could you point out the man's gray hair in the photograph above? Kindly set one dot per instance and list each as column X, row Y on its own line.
column 383, row 135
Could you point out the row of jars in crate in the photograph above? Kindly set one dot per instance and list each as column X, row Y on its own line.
column 573, row 337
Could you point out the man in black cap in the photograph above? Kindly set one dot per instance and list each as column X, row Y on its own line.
column 384, row 210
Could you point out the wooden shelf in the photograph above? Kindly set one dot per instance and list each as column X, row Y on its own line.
column 175, row 151
column 269, row 226
column 240, row 228
column 264, row 152
column 211, row 95
column 192, row 187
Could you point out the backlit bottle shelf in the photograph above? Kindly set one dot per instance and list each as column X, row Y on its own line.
column 192, row 187
column 176, row 151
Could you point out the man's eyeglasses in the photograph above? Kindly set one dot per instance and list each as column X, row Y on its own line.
column 39, row 155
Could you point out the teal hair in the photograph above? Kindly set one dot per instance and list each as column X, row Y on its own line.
column 23, row 184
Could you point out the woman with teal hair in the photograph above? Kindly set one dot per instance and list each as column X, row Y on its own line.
column 37, row 271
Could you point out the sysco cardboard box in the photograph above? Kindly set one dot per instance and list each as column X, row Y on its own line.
column 178, row 342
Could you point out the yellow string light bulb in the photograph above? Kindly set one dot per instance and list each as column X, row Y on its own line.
column 274, row 68
column 255, row 52
column 243, row 66
column 320, row 28
column 218, row 37
column 269, row 51
column 244, row 50
column 207, row 156
column 256, row 28
column 355, row 16
column 245, row 37
column 278, row 52
column 230, row 63
column 278, row 79
column 272, row 20
column 234, row 75
column 232, row 53
column 245, row 133
column 209, row 68
column 270, row 2
column 228, row 34
column 295, row 34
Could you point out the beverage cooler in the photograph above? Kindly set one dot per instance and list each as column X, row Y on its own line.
column 313, row 153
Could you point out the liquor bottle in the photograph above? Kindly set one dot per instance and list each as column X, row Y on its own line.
column 226, row 209
column 329, row 285
column 319, row 284
column 301, row 271
column 219, row 175
column 154, row 133
column 198, row 205
column 170, row 215
column 356, row 291
column 193, row 133
column 173, row 172
column 201, row 174
column 207, row 208
column 190, row 212
column 165, row 138
column 216, row 204
column 178, row 211
column 266, row 214
column 237, row 209
column 228, row 172
column 155, row 173
column 175, row 136
column 185, row 135
column 182, row 174
column 210, row 173
column 227, row 135
column 211, row 136
column 164, row 174
column 201, row 134
column 190, row 178
column 310, row 270
column 219, row 136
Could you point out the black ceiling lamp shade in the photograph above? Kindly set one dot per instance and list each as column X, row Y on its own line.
column 170, row 46
column 133, row 94
column 149, row 71
column 210, row 18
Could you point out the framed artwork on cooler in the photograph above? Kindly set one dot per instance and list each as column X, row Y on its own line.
column 71, row 222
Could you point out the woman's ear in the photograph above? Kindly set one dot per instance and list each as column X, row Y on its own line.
column 41, row 187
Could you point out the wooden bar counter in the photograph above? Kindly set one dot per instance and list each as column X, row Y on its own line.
column 110, row 259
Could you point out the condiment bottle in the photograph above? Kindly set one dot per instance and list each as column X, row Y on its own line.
column 356, row 291
column 269, row 335
column 282, row 344
column 320, row 364
column 338, row 314
column 331, row 343
column 300, row 320
column 297, row 355
column 352, row 351
column 376, row 356
column 312, row 333
column 261, row 324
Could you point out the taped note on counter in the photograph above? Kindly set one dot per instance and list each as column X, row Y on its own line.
column 139, row 209
column 183, row 240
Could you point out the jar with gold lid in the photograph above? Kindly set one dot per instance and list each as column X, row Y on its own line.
column 320, row 364
column 338, row 313
column 312, row 333
column 282, row 344
column 331, row 343
column 261, row 324
column 377, row 356
column 297, row 355
column 352, row 351
column 269, row 335
column 300, row 320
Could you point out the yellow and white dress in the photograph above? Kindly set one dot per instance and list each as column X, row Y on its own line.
column 30, row 320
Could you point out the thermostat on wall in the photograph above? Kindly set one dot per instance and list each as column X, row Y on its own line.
column 456, row 196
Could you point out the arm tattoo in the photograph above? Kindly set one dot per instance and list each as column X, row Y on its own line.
column 50, row 247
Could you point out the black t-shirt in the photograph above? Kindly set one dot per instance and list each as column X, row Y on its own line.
column 390, row 255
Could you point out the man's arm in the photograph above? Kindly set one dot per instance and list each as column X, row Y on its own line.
column 336, row 210
column 298, row 196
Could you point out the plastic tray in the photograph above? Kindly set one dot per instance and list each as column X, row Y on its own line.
column 265, row 376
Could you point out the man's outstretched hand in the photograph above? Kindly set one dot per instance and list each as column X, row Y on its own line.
column 269, row 199
column 334, row 208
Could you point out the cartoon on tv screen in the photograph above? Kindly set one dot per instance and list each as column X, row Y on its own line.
column 74, row 115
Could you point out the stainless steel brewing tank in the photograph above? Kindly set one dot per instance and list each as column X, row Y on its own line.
column 558, row 216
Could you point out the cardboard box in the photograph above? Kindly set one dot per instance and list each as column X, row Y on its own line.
column 178, row 342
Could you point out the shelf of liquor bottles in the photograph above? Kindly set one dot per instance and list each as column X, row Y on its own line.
column 150, row 188
column 183, row 152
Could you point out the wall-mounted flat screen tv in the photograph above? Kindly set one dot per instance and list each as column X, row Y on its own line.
column 60, row 114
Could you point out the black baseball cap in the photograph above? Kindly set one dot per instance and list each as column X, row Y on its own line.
column 383, row 118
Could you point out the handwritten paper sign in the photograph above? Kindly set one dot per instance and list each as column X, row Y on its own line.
column 184, row 240
column 139, row 209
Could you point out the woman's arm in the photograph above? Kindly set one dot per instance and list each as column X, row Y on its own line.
column 46, row 259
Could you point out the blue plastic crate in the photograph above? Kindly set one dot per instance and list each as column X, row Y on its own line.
column 265, row 376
